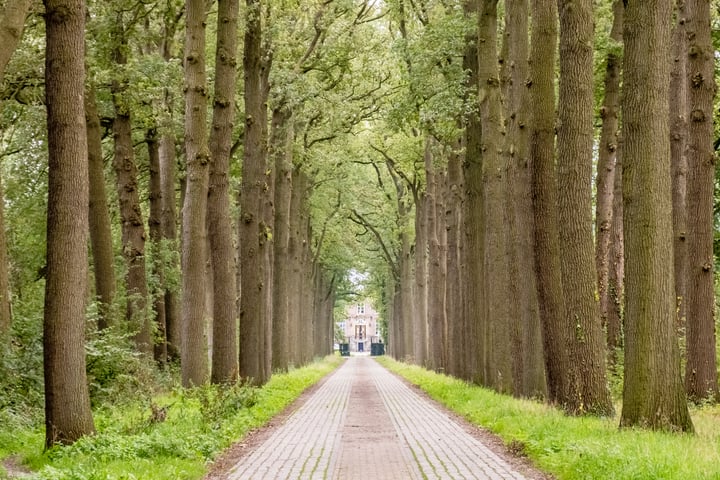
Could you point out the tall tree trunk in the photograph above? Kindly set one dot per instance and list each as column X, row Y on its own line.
column 653, row 394
column 605, row 179
column 281, row 144
column 168, row 158
column 701, row 367
column 454, row 293
column 126, row 178
column 436, row 265
column 589, row 392
column 255, row 232
column 173, row 14
column 155, row 228
column 420, row 291
column 100, row 232
column 544, row 194
column 678, row 159
column 473, row 211
column 194, row 360
column 297, row 198
column 616, row 278
column 529, row 372
column 495, row 321
column 67, row 400
column 225, row 333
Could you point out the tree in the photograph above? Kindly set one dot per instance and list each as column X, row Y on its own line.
column 606, row 168
column 100, row 229
column 255, row 230
column 67, row 401
column 653, row 393
column 528, row 367
column 126, row 180
column 588, row 389
column 194, row 253
column 224, row 354
column 701, row 367
column 544, row 194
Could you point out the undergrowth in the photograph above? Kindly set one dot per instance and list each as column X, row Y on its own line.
column 171, row 436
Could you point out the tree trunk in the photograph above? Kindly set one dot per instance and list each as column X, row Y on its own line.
column 588, row 392
column 225, row 333
column 701, row 367
column 281, row 144
column 678, row 159
column 653, row 394
column 437, row 274
column 605, row 179
column 528, row 371
column 155, row 228
column 473, row 211
column 544, row 194
column 454, row 293
column 173, row 326
column 420, row 292
column 194, row 240
column 616, row 276
column 100, row 231
column 495, row 321
column 67, row 400
column 126, row 178
column 255, row 233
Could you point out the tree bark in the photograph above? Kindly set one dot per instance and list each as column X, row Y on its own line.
column 160, row 350
column 528, row 367
column 281, row 145
column 420, row 290
column 100, row 231
column 169, row 231
column 456, row 327
column 67, row 401
column 473, row 211
column 544, row 194
column 653, row 394
column 616, row 278
column 606, row 167
column 194, row 240
column 126, row 179
column 679, row 162
column 225, row 333
column 437, row 273
column 495, row 320
column 255, row 233
column 589, row 392
column 701, row 368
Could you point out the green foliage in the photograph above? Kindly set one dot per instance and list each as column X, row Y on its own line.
column 171, row 436
column 116, row 372
column 573, row 448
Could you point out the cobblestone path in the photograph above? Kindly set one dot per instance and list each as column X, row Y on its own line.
column 365, row 423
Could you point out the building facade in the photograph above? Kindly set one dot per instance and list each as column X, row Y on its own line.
column 360, row 326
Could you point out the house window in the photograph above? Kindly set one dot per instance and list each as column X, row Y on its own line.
column 360, row 308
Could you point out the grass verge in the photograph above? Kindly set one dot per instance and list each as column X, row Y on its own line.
column 171, row 437
column 575, row 448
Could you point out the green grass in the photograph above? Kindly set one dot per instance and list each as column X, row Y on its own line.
column 575, row 448
column 200, row 424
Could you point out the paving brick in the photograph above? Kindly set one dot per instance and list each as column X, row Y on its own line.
column 365, row 423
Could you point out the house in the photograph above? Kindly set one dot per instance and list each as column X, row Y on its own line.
column 360, row 326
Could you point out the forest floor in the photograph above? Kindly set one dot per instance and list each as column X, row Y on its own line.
column 365, row 422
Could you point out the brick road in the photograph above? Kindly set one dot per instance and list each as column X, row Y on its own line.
column 365, row 423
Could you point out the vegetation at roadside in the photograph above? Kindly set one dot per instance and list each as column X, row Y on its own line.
column 171, row 436
column 573, row 448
